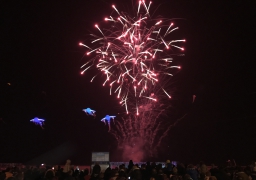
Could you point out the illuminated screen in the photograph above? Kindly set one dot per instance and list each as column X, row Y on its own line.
column 100, row 156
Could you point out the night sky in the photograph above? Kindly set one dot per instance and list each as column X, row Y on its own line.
column 40, row 76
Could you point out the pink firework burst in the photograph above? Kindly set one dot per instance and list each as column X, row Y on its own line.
column 134, row 55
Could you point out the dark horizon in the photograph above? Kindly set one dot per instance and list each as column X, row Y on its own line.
column 40, row 76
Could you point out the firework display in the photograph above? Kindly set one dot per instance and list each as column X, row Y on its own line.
column 134, row 52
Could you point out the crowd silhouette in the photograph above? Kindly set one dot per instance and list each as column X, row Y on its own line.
column 147, row 171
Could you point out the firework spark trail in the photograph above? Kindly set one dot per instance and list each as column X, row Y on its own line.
column 168, row 129
column 143, row 130
column 135, row 54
